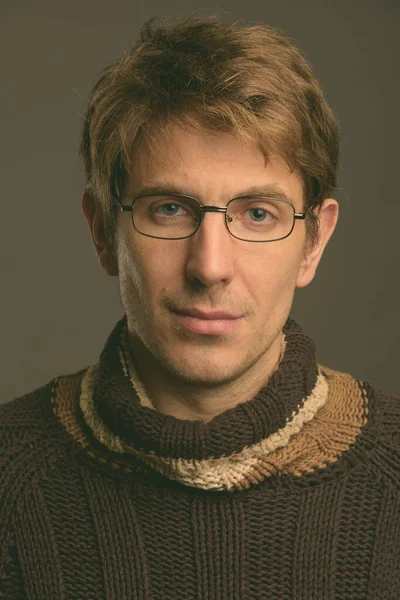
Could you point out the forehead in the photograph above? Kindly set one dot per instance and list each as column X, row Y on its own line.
column 208, row 164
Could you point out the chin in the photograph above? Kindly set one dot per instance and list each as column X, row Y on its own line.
column 216, row 368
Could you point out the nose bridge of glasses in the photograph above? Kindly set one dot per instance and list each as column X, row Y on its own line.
column 214, row 209
column 218, row 209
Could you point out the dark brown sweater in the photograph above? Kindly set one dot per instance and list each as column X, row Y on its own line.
column 292, row 495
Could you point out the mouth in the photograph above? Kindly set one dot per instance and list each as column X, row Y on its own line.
column 217, row 323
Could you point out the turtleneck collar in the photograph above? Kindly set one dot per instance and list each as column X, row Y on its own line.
column 215, row 454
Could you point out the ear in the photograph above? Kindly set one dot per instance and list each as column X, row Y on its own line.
column 327, row 213
column 91, row 212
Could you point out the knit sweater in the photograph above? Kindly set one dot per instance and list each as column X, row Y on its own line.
column 291, row 495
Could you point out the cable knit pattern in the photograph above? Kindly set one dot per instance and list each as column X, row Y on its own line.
column 294, row 494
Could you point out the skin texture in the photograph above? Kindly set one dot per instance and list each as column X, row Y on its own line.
column 190, row 375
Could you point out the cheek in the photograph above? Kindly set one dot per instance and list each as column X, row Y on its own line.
column 145, row 268
column 131, row 270
column 273, row 278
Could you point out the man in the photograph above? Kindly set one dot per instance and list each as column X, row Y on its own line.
column 206, row 454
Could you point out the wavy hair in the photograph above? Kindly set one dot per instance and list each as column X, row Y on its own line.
column 247, row 80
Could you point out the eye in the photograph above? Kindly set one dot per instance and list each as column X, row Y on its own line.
column 169, row 209
column 255, row 210
column 260, row 215
column 162, row 207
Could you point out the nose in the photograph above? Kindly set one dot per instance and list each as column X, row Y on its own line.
column 211, row 255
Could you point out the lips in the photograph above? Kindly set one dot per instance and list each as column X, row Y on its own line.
column 199, row 314
column 208, row 323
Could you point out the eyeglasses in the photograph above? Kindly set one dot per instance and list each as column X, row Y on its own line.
column 177, row 217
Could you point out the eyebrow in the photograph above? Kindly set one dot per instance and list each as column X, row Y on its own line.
column 270, row 190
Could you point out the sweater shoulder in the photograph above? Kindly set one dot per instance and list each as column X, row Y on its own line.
column 385, row 411
column 385, row 420
column 31, row 419
column 32, row 438
column 377, row 412
column 24, row 418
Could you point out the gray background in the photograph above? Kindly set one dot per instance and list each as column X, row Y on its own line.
column 58, row 306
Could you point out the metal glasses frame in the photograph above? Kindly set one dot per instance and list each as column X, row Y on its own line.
column 203, row 209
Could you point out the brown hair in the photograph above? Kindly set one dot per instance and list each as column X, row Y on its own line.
column 249, row 80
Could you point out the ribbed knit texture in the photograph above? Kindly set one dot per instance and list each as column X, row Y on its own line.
column 291, row 495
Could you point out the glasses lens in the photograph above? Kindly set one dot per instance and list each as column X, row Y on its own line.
column 260, row 219
column 166, row 216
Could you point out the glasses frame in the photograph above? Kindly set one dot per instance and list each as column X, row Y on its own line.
column 209, row 208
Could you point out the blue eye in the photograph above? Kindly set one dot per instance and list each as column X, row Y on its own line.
column 168, row 213
column 264, row 213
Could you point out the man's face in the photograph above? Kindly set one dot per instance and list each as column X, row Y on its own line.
column 210, row 271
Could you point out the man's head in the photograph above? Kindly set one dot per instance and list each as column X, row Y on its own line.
column 250, row 81
column 212, row 111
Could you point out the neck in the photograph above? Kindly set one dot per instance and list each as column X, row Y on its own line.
column 232, row 451
column 174, row 396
